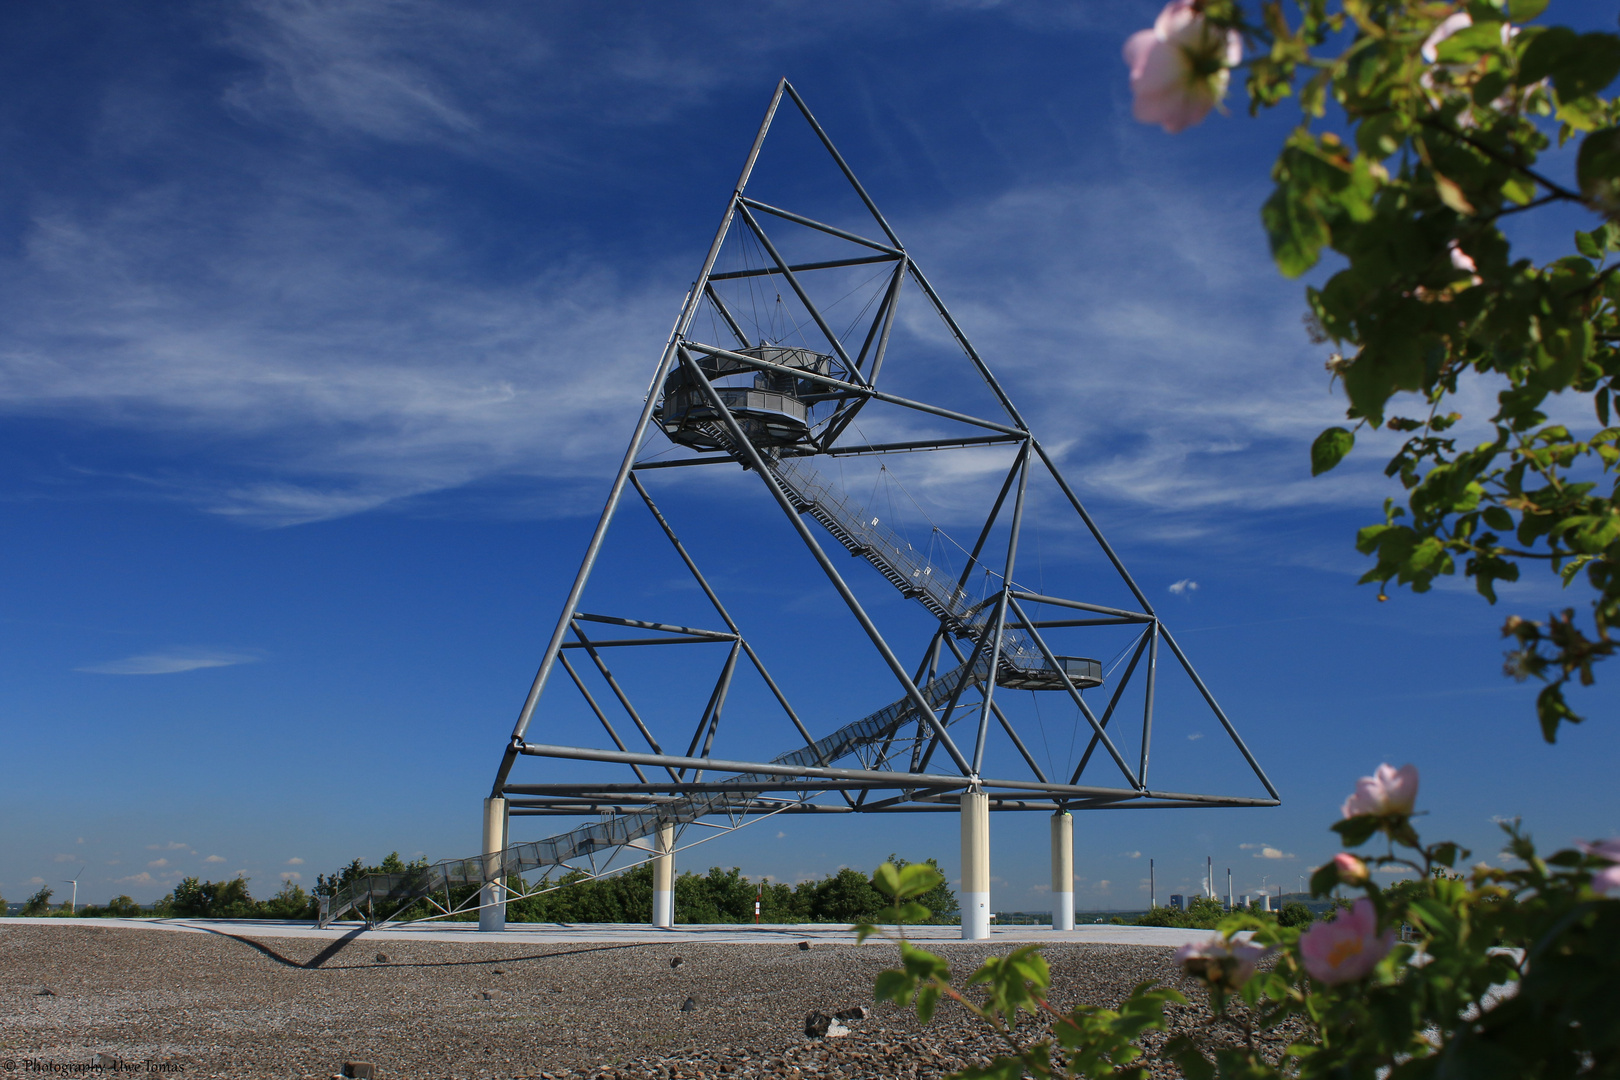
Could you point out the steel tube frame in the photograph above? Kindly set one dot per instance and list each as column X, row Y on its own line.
column 682, row 322
column 754, row 459
column 854, row 388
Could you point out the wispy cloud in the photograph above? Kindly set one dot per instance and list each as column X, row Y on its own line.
column 214, row 859
column 1184, row 587
column 142, row 878
column 167, row 663
column 172, row 845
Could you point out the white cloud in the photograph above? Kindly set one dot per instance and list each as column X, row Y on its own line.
column 158, row 862
column 289, row 875
column 295, row 861
column 172, row 845
column 1272, row 853
column 214, row 858
column 167, row 663
column 1185, row 586
column 1132, row 854
column 142, row 878
column 1195, row 736
column 1103, row 886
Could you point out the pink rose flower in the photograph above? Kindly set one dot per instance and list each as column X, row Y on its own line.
column 1219, row 962
column 1348, row 948
column 1607, row 879
column 1387, row 791
column 1179, row 69
column 1352, row 871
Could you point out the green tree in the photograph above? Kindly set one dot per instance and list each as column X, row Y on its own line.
column 195, row 899
column 291, row 902
column 38, row 904
column 1422, row 131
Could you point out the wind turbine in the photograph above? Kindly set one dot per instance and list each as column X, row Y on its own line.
column 73, row 905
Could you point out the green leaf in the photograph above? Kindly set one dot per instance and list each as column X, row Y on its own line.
column 1452, row 195
column 1587, row 244
column 1597, row 170
column 895, row 986
column 1324, row 879
column 917, row 879
column 886, row 879
column 1519, row 189
column 1522, row 11
column 1296, row 230
column 1578, row 64
column 1330, row 448
column 1498, row 518
column 1542, row 51
column 1356, row 831
column 927, row 1001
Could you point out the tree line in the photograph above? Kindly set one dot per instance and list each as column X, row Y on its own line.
column 718, row 896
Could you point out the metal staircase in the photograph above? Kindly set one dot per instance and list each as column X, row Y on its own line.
column 862, row 535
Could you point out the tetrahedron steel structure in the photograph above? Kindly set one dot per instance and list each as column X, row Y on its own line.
column 775, row 409
column 780, row 393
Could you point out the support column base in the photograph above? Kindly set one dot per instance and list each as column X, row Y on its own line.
column 1063, row 911
column 975, row 916
column 492, row 919
column 663, row 909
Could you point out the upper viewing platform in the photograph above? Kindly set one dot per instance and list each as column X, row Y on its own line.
column 773, row 409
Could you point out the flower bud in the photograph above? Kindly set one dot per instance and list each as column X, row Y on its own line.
column 1352, row 871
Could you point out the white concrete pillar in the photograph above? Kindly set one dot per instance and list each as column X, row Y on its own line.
column 975, row 900
column 1063, row 870
column 493, row 915
column 664, row 878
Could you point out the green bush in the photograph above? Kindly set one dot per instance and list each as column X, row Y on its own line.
column 119, row 907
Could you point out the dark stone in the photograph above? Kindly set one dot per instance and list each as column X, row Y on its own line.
column 804, row 946
column 816, row 1025
column 382, row 958
column 688, row 1005
column 854, row 1012
column 360, row 1070
column 675, row 963
column 500, row 971
column 45, row 991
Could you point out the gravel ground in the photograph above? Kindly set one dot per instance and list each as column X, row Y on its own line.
column 212, row 1005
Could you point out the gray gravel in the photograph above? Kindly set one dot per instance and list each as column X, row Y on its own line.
column 227, row 1006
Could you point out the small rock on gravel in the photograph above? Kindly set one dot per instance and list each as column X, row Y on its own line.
column 816, row 1025
column 804, row 946
column 688, row 1005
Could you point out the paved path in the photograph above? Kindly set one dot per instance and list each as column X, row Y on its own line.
column 631, row 933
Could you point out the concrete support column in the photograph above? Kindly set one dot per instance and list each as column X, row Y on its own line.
column 975, row 866
column 1063, row 870
column 493, row 915
column 664, row 878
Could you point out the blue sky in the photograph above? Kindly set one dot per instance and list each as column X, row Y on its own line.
column 323, row 325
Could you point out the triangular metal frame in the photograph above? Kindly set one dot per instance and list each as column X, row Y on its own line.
column 896, row 746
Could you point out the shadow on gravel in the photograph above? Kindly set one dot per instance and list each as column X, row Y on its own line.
column 318, row 961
